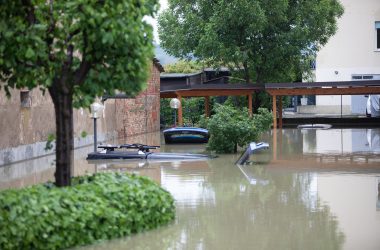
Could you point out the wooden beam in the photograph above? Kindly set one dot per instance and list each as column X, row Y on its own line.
column 325, row 91
column 168, row 95
column 280, row 112
column 274, row 107
column 212, row 92
column 207, row 106
column 250, row 104
column 180, row 118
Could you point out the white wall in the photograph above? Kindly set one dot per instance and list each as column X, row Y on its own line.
column 352, row 50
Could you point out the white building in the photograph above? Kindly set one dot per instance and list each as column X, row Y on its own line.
column 353, row 53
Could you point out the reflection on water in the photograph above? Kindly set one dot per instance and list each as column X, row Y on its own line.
column 341, row 140
column 332, row 148
column 303, row 193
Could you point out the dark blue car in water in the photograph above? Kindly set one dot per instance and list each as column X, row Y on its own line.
column 186, row 135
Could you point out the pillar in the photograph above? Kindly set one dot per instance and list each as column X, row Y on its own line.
column 274, row 108
column 207, row 106
column 280, row 111
column 180, row 118
column 250, row 104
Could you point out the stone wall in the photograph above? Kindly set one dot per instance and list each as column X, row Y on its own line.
column 25, row 128
column 27, row 119
column 21, row 125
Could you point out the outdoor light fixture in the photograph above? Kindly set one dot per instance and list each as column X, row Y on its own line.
column 96, row 110
column 174, row 104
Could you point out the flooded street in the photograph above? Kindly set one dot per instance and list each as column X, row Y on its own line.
column 313, row 189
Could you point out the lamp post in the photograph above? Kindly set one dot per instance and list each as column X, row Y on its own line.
column 174, row 104
column 96, row 109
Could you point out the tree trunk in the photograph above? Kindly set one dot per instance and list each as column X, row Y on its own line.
column 63, row 105
column 256, row 102
column 246, row 72
column 256, row 95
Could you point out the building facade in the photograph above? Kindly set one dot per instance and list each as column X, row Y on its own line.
column 353, row 53
column 141, row 114
column 27, row 120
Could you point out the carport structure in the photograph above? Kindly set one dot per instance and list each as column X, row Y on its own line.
column 207, row 90
column 276, row 90
column 317, row 88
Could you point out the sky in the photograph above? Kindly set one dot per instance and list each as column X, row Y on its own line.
column 153, row 21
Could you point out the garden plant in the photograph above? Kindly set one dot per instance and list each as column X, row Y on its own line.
column 231, row 127
column 96, row 207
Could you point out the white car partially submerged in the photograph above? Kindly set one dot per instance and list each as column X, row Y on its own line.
column 373, row 106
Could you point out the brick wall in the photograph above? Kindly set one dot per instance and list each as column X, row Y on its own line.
column 141, row 114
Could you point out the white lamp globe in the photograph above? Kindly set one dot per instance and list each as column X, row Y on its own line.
column 96, row 109
column 175, row 103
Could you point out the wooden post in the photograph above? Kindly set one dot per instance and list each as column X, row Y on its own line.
column 250, row 104
column 280, row 111
column 274, row 101
column 207, row 106
column 180, row 118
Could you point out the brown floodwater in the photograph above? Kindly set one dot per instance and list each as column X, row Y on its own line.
column 313, row 189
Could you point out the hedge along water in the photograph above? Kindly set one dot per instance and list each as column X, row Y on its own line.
column 98, row 207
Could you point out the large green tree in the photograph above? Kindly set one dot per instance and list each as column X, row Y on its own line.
column 267, row 41
column 76, row 50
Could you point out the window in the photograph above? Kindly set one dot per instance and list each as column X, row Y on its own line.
column 313, row 65
column 377, row 26
column 368, row 77
column 365, row 77
column 26, row 100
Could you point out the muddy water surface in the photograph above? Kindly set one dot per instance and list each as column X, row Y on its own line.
column 313, row 189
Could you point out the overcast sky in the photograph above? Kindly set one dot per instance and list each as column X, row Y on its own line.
column 153, row 22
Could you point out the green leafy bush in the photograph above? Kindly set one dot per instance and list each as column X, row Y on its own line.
column 230, row 127
column 184, row 66
column 193, row 109
column 97, row 207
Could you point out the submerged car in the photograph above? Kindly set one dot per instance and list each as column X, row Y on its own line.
column 140, row 152
column 373, row 106
column 186, row 135
column 368, row 107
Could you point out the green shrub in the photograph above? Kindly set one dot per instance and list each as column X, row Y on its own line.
column 97, row 207
column 230, row 127
column 184, row 66
column 193, row 109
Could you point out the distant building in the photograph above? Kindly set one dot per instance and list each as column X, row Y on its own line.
column 141, row 114
column 353, row 53
column 186, row 80
column 180, row 80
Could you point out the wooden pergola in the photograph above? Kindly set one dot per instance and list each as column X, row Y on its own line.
column 317, row 88
column 274, row 89
column 207, row 90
